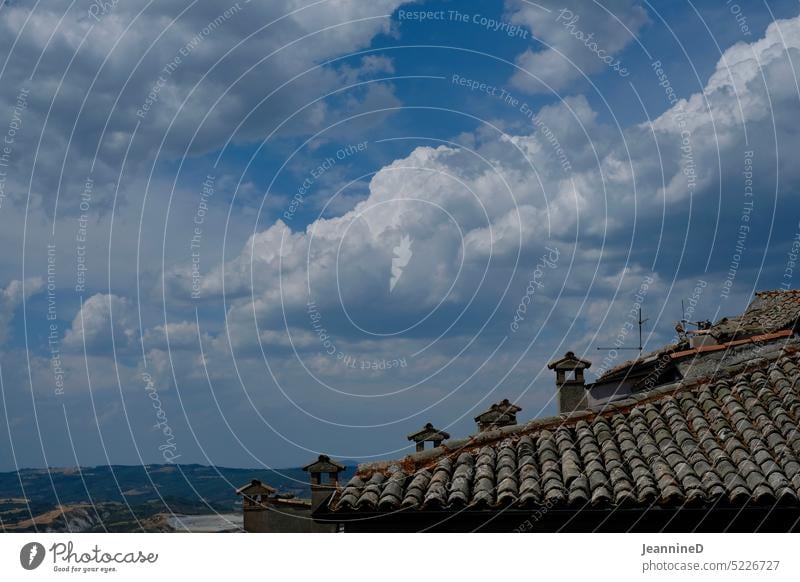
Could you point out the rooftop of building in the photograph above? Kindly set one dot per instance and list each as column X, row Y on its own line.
column 725, row 432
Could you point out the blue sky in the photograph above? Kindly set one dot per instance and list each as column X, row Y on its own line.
column 314, row 231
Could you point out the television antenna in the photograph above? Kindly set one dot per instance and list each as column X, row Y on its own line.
column 641, row 323
column 680, row 327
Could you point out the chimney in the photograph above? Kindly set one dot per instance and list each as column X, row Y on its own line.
column 255, row 505
column 321, row 488
column 428, row 434
column 501, row 414
column 570, row 382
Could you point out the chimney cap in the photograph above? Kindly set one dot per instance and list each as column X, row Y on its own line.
column 500, row 414
column 569, row 362
column 255, row 487
column 428, row 433
column 324, row 464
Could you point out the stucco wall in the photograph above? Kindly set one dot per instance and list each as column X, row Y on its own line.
column 284, row 517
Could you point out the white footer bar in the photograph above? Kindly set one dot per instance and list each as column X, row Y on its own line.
column 400, row 557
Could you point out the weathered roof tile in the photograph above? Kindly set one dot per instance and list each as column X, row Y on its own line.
column 735, row 438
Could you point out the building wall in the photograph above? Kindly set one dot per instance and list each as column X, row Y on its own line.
column 284, row 516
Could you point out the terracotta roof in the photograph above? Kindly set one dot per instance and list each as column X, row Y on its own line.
column 770, row 311
column 650, row 357
column 729, row 439
column 756, row 339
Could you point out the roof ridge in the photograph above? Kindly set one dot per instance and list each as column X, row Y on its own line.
column 779, row 290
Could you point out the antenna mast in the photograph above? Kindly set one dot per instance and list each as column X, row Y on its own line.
column 641, row 323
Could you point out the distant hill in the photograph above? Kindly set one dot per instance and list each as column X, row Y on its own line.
column 131, row 494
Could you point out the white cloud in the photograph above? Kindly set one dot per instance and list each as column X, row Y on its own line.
column 11, row 297
column 176, row 336
column 749, row 103
column 582, row 38
column 98, row 80
column 510, row 195
column 106, row 324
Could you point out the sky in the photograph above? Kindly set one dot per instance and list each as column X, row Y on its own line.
column 244, row 234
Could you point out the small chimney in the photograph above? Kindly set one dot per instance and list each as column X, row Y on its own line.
column 428, row 434
column 570, row 382
column 255, row 505
column 320, row 489
column 501, row 414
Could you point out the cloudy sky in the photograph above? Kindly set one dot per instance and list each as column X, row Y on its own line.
column 244, row 234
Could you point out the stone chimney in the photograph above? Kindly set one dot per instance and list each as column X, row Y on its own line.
column 321, row 488
column 570, row 382
column 428, row 434
column 255, row 505
column 501, row 414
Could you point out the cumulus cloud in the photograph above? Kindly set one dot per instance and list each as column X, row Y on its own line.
column 479, row 215
column 105, row 324
column 747, row 103
column 580, row 38
column 470, row 212
column 11, row 297
column 182, row 76
column 458, row 210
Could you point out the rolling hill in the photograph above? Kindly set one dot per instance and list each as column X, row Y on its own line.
column 130, row 498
